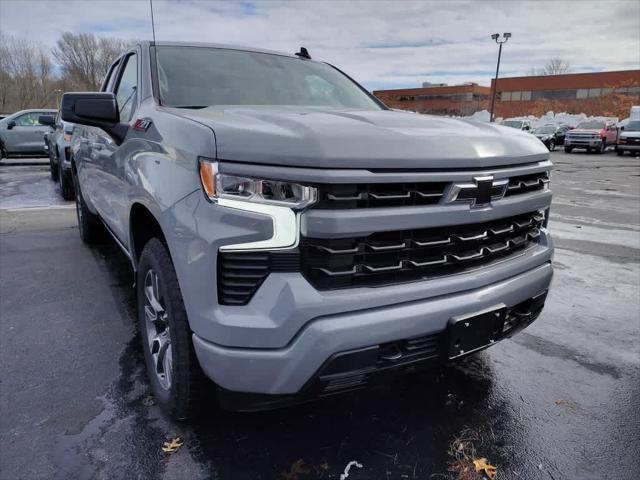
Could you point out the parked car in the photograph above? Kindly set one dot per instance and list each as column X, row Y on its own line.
column 629, row 138
column 551, row 135
column 291, row 236
column 518, row 124
column 22, row 134
column 58, row 143
column 591, row 135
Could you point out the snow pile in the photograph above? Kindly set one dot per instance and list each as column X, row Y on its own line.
column 481, row 116
column 550, row 117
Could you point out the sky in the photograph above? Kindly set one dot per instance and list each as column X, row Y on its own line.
column 382, row 44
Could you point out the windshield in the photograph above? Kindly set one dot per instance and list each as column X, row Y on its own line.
column 545, row 130
column 591, row 125
column 633, row 126
column 199, row 77
column 512, row 123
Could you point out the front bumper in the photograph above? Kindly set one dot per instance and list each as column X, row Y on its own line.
column 287, row 370
column 629, row 147
column 582, row 142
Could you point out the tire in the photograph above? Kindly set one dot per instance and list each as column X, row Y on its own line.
column 53, row 166
column 66, row 183
column 552, row 145
column 176, row 379
column 619, row 152
column 91, row 229
column 568, row 149
column 3, row 152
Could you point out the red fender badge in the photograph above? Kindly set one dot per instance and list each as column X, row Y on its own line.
column 141, row 124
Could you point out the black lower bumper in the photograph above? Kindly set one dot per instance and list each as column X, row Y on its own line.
column 359, row 368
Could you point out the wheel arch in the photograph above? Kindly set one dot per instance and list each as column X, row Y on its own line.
column 143, row 226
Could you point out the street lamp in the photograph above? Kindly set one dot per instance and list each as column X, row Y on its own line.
column 496, row 36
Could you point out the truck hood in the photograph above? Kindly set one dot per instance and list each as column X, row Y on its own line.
column 630, row 134
column 332, row 138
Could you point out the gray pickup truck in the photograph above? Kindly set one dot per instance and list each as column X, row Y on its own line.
column 291, row 236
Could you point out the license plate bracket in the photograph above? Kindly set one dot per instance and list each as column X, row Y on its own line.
column 473, row 332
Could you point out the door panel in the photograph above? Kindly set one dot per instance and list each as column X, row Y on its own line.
column 109, row 158
column 28, row 134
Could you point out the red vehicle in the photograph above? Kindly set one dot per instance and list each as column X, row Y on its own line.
column 594, row 135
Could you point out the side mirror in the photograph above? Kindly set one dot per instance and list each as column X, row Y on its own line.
column 49, row 120
column 11, row 124
column 95, row 109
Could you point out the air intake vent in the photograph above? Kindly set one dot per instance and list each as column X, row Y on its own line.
column 240, row 274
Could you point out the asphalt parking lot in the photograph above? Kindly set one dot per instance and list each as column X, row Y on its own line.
column 561, row 400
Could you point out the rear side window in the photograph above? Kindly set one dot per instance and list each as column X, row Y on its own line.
column 127, row 87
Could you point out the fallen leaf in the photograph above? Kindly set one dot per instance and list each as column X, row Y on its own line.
column 172, row 446
column 148, row 401
column 483, row 467
column 296, row 469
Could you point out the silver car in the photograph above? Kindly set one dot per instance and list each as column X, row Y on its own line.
column 22, row 133
column 58, row 145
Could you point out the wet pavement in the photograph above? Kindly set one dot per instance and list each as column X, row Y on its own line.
column 561, row 400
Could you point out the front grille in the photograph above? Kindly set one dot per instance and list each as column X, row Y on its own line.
column 240, row 274
column 527, row 183
column 399, row 256
column 377, row 195
column 583, row 136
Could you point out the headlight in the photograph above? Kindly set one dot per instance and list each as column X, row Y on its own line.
column 271, row 192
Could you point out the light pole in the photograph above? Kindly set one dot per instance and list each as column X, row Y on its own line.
column 499, row 41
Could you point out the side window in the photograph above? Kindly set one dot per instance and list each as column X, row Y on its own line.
column 126, row 90
column 111, row 78
column 28, row 120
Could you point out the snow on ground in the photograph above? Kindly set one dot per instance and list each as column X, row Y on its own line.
column 550, row 117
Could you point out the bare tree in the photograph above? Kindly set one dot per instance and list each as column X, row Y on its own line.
column 85, row 58
column 554, row 66
column 25, row 74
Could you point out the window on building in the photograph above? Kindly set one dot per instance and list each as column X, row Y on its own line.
column 594, row 92
column 582, row 93
column 526, row 95
column 505, row 96
column 516, row 96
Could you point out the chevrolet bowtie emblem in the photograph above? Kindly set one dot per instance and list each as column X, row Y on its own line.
column 479, row 193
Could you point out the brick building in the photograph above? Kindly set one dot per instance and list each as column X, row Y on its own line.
column 438, row 100
column 571, row 93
